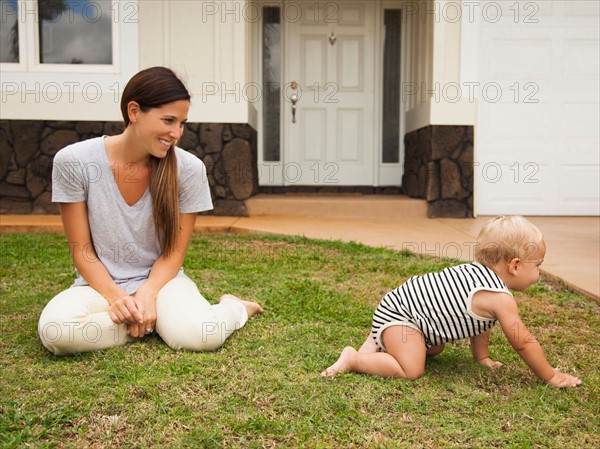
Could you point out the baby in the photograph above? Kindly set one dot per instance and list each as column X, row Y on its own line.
column 416, row 319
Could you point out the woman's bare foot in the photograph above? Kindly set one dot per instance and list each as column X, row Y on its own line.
column 343, row 363
column 252, row 308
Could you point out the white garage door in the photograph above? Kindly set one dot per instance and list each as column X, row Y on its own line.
column 537, row 142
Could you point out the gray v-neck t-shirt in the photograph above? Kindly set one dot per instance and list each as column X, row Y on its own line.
column 123, row 236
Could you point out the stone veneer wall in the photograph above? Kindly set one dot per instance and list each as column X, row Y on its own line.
column 438, row 167
column 27, row 149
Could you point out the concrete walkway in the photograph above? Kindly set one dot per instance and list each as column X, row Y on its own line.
column 573, row 242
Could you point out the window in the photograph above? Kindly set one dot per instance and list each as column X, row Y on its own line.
column 63, row 67
column 271, row 78
column 9, row 32
column 75, row 32
column 391, row 86
column 63, row 33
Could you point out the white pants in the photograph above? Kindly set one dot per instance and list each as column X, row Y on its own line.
column 77, row 320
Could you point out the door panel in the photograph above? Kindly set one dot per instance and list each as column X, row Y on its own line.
column 350, row 60
column 350, row 132
column 313, row 127
column 314, row 59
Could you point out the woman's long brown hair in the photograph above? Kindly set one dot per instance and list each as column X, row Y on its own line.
column 152, row 88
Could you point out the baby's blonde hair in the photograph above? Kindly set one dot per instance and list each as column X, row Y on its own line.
column 506, row 238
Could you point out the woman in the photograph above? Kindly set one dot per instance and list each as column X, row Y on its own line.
column 128, row 205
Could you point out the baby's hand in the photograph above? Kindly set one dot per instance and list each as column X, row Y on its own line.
column 562, row 380
column 490, row 363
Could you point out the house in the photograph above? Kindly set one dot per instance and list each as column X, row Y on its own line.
column 478, row 107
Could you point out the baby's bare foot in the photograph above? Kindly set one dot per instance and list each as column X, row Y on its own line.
column 343, row 363
column 252, row 308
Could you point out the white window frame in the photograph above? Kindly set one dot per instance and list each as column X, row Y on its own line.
column 29, row 43
column 389, row 173
column 270, row 172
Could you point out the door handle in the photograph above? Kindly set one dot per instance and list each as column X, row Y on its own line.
column 294, row 99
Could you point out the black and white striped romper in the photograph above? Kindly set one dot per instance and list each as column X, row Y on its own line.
column 438, row 304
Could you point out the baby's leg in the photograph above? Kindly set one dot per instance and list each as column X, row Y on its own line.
column 369, row 345
column 405, row 356
column 435, row 350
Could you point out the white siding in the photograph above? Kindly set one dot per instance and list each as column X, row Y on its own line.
column 537, row 146
column 438, row 65
column 205, row 42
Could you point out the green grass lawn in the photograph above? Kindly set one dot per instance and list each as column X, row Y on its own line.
column 263, row 389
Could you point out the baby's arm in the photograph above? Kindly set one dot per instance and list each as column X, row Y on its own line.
column 479, row 348
column 506, row 312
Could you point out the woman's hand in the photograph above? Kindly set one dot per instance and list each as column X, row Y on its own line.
column 163, row 270
column 125, row 310
column 563, row 380
column 146, row 303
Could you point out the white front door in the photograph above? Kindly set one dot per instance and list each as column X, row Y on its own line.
column 329, row 66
